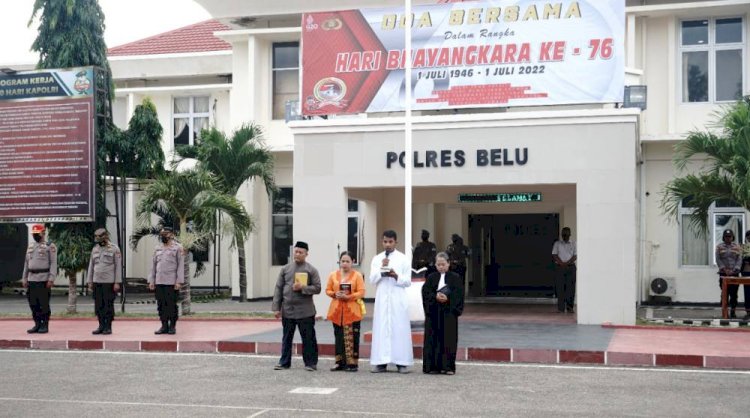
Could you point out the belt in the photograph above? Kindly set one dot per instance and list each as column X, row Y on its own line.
column 38, row 270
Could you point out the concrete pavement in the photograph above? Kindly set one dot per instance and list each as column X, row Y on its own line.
column 497, row 333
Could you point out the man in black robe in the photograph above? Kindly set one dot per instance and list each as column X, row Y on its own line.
column 443, row 302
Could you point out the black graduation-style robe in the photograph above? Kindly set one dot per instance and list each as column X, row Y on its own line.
column 441, row 323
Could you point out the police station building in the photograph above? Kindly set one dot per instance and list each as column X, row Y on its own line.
column 521, row 125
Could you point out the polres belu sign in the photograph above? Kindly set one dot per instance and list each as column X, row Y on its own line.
column 47, row 146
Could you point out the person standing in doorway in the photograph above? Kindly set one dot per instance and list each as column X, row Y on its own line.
column 729, row 261
column 443, row 302
column 104, row 279
column 390, row 272
column 346, row 286
column 564, row 255
column 457, row 254
column 298, row 281
column 39, row 271
column 166, row 277
column 424, row 254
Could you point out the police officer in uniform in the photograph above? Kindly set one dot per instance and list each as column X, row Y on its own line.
column 424, row 254
column 39, row 271
column 104, row 279
column 166, row 277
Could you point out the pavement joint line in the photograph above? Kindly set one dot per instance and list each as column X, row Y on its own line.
column 416, row 361
column 231, row 407
column 258, row 413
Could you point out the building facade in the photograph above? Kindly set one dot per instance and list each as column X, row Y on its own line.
column 598, row 169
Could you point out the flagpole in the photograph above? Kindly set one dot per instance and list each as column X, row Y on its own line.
column 409, row 154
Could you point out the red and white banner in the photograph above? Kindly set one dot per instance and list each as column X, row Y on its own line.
column 470, row 54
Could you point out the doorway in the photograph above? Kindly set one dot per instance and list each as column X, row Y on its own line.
column 511, row 255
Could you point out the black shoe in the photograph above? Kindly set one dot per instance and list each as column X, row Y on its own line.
column 338, row 369
column 280, row 367
column 732, row 314
column 379, row 369
column 107, row 331
column 34, row 329
column 97, row 331
column 171, row 330
column 162, row 330
column 43, row 328
column 352, row 369
column 311, row 368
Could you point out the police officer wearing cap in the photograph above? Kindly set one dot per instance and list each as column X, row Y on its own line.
column 729, row 261
column 166, row 277
column 39, row 271
column 104, row 279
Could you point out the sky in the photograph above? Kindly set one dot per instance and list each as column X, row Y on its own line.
column 125, row 21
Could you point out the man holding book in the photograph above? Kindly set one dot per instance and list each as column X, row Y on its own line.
column 298, row 281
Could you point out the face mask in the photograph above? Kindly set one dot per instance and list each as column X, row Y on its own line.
column 164, row 239
column 37, row 237
column 101, row 242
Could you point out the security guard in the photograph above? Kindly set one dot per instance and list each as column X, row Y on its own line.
column 166, row 277
column 39, row 271
column 104, row 279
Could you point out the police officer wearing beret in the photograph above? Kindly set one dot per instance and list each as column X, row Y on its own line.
column 39, row 271
column 104, row 279
column 166, row 277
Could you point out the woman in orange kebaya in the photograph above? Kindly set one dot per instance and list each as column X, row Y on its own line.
column 345, row 287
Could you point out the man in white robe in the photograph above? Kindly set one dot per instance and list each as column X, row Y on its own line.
column 390, row 271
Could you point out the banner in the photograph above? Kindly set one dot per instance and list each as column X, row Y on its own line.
column 470, row 54
column 47, row 147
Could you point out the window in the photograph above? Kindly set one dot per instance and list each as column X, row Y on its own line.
column 281, row 221
column 190, row 115
column 697, row 248
column 712, row 59
column 285, row 76
column 353, row 236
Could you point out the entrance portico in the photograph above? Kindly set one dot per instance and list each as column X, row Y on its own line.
column 583, row 162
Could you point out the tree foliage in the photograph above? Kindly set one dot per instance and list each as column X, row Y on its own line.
column 191, row 195
column 71, row 34
column 234, row 161
column 725, row 174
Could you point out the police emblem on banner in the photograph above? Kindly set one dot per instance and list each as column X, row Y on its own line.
column 329, row 91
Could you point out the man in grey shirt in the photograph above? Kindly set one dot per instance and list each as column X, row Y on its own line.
column 104, row 279
column 298, row 281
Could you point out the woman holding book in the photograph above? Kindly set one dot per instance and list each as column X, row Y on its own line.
column 346, row 286
column 443, row 301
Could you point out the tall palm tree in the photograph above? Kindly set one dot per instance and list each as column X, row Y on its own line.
column 725, row 174
column 191, row 195
column 234, row 161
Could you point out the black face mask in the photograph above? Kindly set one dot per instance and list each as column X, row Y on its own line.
column 164, row 239
column 37, row 237
column 102, row 242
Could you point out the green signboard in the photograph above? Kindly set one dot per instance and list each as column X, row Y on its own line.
column 499, row 197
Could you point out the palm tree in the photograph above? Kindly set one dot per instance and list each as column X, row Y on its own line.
column 234, row 161
column 191, row 195
column 725, row 175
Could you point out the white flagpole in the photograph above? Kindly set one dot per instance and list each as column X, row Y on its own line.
column 409, row 155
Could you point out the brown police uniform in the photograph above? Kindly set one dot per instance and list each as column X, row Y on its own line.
column 105, row 269
column 167, row 269
column 39, row 268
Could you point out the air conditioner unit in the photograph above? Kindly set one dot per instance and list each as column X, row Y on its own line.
column 662, row 286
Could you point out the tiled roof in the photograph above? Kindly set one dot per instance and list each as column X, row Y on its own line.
column 198, row 37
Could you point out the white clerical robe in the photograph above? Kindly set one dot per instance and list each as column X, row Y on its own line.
column 391, row 328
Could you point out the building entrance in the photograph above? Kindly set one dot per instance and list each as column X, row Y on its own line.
column 511, row 255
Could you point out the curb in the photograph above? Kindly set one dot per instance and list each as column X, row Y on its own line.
column 674, row 326
column 479, row 354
